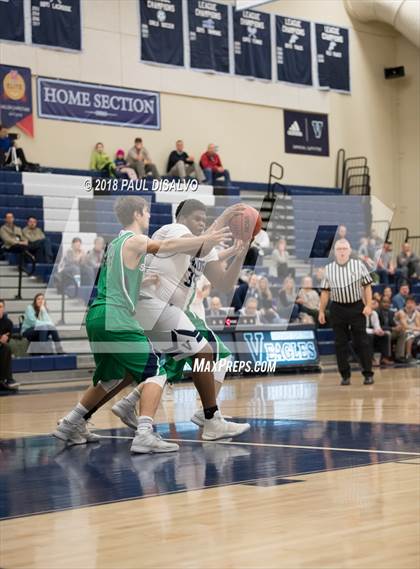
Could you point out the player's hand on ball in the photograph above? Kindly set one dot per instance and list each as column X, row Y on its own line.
column 216, row 236
column 321, row 318
column 227, row 215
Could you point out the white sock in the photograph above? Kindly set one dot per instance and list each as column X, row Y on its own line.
column 76, row 415
column 133, row 397
column 144, row 423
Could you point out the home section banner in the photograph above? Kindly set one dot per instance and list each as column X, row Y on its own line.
column 162, row 32
column 209, row 35
column 56, row 23
column 293, row 50
column 306, row 133
column 252, row 36
column 91, row 103
column 332, row 46
column 12, row 26
column 16, row 98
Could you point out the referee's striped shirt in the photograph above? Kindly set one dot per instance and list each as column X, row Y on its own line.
column 345, row 282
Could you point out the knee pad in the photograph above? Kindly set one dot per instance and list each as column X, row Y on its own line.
column 158, row 379
column 109, row 385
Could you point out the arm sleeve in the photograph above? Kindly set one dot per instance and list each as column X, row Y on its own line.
column 204, row 161
column 92, row 163
column 5, row 237
column 29, row 318
column 325, row 283
column 366, row 278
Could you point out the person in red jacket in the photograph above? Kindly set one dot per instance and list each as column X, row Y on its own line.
column 212, row 166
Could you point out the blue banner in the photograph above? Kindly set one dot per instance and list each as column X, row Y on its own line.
column 293, row 49
column 284, row 347
column 162, row 38
column 306, row 133
column 16, row 98
column 12, row 22
column 252, row 36
column 56, row 23
column 91, row 103
column 209, row 35
column 332, row 46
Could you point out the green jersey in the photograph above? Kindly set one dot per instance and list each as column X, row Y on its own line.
column 118, row 287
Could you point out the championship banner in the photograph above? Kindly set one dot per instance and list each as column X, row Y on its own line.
column 12, row 23
column 209, row 35
column 100, row 104
column 252, row 36
column 332, row 45
column 293, row 49
column 306, row 133
column 162, row 32
column 56, row 23
column 16, row 98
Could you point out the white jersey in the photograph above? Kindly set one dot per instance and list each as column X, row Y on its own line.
column 178, row 273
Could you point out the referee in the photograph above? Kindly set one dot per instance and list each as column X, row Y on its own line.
column 348, row 283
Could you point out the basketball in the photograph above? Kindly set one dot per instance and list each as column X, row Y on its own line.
column 246, row 225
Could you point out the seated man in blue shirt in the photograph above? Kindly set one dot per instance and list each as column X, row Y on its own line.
column 398, row 301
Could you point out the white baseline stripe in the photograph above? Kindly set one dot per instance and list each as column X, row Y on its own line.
column 221, row 442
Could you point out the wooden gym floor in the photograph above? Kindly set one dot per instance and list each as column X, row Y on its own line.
column 327, row 477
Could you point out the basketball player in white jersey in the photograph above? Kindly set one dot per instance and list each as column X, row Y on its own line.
column 164, row 312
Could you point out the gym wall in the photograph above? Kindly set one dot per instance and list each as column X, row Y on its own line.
column 244, row 118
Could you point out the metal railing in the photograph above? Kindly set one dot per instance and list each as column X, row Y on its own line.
column 397, row 236
column 414, row 241
column 276, row 173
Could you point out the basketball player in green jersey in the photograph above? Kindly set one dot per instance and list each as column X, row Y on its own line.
column 118, row 342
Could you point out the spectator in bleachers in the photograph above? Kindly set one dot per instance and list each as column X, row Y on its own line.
column 71, row 265
column 267, row 313
column 408, row 262
column 37, row 325
column 409, row 318
column 247, row 288
column 11, row 234
column 7, row 144
column 385, row 267
column 389, row 324
column 375, row 242
column 280, row 260
column 317, row 278
column 287, row 300
column 99, row 160
column 399, row 300
column 387, row 293
column 264, row 291
column 251, row 310
column 364, row 253
column 121, row 165
column 380, row 339
column 308, row 299
column 38, row 244
column 182, row 164
column 341, row 232
column 216, row 308
column 212, row 166
column 7, row 383
column 140, row 160
column 91, row 262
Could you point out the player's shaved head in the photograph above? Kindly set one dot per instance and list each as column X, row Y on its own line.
column 126, row 206
column 187, row 207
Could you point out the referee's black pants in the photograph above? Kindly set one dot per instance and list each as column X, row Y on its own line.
column 349, row 323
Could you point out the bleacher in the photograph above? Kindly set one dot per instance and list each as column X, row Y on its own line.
column 62, row 206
